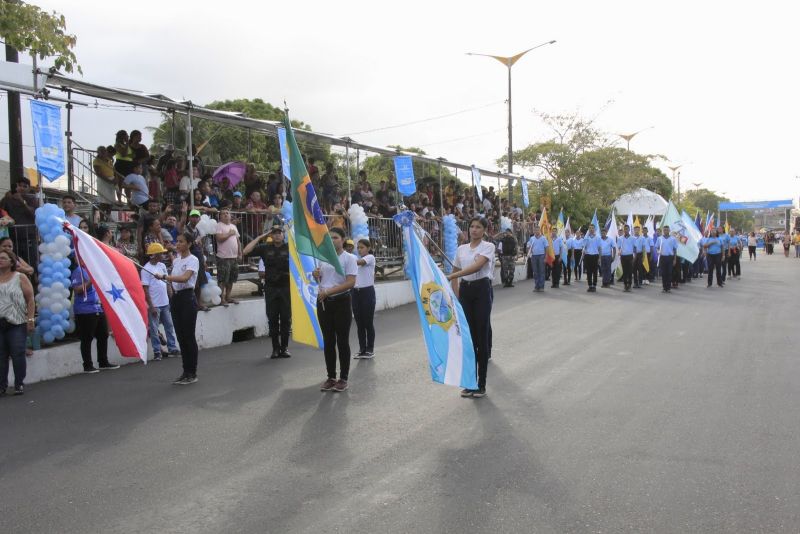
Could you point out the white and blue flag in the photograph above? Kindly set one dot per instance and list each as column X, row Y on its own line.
column 451, row 355
column 524, row 183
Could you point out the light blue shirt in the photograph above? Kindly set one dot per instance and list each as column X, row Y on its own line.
column 626, row 245
column 714, row 245
column 570, row 244
column 577, row 243
column 734, row 242
column 138, row 187
column 725, row 240
column 606, row 246
column 639, row 244
column 591, row 244
column 667, row 245
column 537, row 245
column 648, row 243
column 558, row 244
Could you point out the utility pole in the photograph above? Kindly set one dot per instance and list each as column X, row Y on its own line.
column 16, row 165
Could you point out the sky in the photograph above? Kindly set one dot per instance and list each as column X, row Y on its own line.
column 713, row 86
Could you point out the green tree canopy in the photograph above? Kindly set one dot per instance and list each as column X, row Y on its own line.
column 380, row 167
column 583, row 170
column 27, row 28
column 707, row 201
column 220, row 143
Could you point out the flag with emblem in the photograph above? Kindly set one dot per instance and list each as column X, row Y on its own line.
column 451, row 355
column 546, row 228
column 310, row 231
column 116, row 281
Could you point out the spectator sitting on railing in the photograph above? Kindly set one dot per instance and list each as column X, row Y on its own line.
column 20, row 205
column 136, row 187
column 367, row 196
column 185, row 184
column 258, row 209
column 125, row 243
column 338, row 217
column 163, row 161
column 252, row 182
column 123, row 154
column 103, row 165
column 7, row 245
column 140, row 153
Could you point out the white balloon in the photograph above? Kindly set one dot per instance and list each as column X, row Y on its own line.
column 57, row 286
column 216, row 300
column 56, row 307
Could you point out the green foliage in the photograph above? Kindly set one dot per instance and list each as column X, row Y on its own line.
column 381, row 167
column 27, row 28
column 707, row 201
column 584, row 171
column 228, row 143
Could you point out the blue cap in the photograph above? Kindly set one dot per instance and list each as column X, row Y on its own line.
column 237, row 194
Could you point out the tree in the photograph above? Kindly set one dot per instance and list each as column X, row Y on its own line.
column 381, row 167
column 220, row 143
column 707, row 201
column 583, row 170
column 27, row 28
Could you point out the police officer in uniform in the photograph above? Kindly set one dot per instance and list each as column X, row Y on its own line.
column 508, row 253
column 275, row 256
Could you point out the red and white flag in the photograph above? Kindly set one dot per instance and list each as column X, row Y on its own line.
column 116, row 281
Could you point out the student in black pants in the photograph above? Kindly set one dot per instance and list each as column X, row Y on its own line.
column 334, row 312
column 364, row 300
column 90, row 322
column 475, row 266
column 184, row 306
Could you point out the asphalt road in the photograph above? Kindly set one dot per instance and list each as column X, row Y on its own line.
column 606, row 412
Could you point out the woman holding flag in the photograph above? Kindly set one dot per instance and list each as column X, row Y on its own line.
column 184, row 305
column 334, row 310
column 475, row 266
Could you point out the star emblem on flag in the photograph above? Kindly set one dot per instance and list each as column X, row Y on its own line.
column 116, row 293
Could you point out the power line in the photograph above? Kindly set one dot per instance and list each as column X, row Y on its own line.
column 463, row 138
column 437, row 117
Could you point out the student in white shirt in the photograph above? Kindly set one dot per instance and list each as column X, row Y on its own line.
column 184, row 305
column 364, row 300
column 334, row 311
column 475, row 266
column 157, row 298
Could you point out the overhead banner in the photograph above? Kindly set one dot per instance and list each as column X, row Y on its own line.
column 50, row 161
column 524, row 183
column 285, row 165
column 476, row 179
column 763, row 205
column 404, row 171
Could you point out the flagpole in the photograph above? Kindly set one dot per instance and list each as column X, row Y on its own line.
column 433, row 242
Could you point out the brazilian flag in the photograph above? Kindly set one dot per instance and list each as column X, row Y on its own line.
column 310, row 230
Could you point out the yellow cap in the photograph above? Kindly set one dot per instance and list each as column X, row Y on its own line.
column 155, row 248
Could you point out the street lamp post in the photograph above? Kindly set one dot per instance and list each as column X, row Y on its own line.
column 627, row 137
column 509, row 62
column 676, row 181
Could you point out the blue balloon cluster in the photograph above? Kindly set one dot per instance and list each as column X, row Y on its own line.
column 52, row 298
column 450, row 237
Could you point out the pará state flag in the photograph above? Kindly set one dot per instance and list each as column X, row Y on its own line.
column 687, row 243
column 524, row 184
column 117, row 283
column 451, row 355
column 303, row 296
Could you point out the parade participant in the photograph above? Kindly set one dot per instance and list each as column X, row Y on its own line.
column 508, row 254
column 183, row 306
column 90, row 322
column 196, row 249
column 639, row 250
column 17, row 308
column 591, row 256
column 364, row 300
column 649, row 249
column 667, row 246
column 725, row 243
column 713, row 249
column 275, row 256
column 608, row 250
column 537, row 248
column 752, row 244
column 577, row 254
column 475, row 266
column 786, row 241
column 334, row 311
column 157, row 296
column 569, row 243
column 626, row 244
column 558, row 244
column 734, row 250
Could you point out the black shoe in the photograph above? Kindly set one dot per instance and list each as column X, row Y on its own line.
column 90, row 370
column 479, row 393
column 709, row 285
column 285, row 354
column 368, row 355
column 467, row 392
column 510, row 285
column 275, row 354
column 19, row 390
column 107, row 366
column 180, row 379
column 566, row 283
column 589, row 289
column 173, row 353
column 190, row 379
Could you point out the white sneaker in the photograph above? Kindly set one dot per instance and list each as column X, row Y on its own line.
column 647, row 282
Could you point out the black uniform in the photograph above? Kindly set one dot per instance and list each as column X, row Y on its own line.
column 507, row 258
column 276, row 292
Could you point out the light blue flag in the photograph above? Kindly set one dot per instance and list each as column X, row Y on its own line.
column 451, row 355
column 595, row 223
column 404, row 171
column 50, row 160
column 476, row 178
column 285, row 161
column 524, row 183
column 687, row 243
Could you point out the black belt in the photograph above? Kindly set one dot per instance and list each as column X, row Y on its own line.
column 474, row 282
column 338, row 296
column 184, row 290
column 363, row 288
